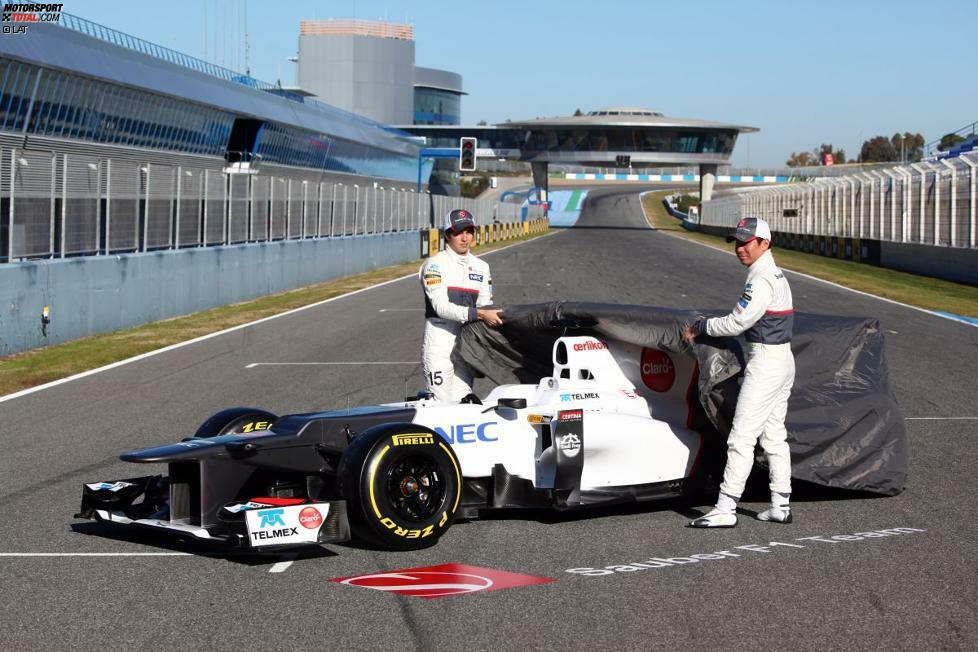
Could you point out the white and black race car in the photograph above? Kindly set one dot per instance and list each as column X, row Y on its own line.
column 611, row 424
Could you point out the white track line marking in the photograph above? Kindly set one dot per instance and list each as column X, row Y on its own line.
column 935, row 313
column 305, row 364
column 149, row 354
column 95, row 554
column 281, row 566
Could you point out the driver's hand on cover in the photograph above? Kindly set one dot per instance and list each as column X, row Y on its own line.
column 491, row 316
column 693, row 330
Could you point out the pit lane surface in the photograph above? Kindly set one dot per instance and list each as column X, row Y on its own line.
column 913, row 589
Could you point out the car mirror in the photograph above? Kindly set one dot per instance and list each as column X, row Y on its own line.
column 515, row 403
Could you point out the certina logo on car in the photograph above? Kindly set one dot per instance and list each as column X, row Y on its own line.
column 468, row 433
column 271, row 518
column 413, row 439
column 570, row 444
column 658, row 371
column 584, row 396
column 590, row 345
column 571, row 415
column 310, row 518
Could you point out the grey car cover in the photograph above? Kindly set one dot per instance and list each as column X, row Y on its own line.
column 844, row 426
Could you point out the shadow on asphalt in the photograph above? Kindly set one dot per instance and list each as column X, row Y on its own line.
column 687, row 506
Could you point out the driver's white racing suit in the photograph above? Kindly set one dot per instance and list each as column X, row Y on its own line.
column 454, row 286
column 765, row 314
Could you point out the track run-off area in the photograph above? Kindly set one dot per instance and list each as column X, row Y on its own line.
column 852, row 571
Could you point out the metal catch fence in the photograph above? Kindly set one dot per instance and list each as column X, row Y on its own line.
column 57, row 204
column 925, row 203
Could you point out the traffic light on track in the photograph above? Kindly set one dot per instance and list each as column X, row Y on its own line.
column 466, row 154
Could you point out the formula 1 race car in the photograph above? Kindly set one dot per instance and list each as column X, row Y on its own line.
column 611, row 424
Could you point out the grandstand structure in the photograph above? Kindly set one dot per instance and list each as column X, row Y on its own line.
column 112, row 144
column 179, row 185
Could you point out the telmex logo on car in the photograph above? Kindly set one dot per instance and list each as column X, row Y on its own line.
column 280, row 525
column 583, row 396
column 467, row 433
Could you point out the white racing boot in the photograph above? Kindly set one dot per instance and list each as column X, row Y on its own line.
column 779, row 511
column 723, row 515
column 715, row 518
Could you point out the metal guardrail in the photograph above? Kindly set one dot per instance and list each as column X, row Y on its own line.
column 57, row 205
column 925, row 203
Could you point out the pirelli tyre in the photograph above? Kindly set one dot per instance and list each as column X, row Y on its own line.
column 236, row 421
column 402, row 484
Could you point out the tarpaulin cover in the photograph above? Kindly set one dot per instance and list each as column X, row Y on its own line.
column 845, row 429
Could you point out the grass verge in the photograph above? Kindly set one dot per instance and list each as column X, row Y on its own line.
column 38, row 366
column 921, row 291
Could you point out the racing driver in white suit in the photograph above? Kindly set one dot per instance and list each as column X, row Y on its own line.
column 765, row 315
column 457, row 290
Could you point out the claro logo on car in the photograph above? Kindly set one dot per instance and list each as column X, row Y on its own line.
column 658, row 370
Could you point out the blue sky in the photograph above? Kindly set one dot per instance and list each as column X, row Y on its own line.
column 804, row 73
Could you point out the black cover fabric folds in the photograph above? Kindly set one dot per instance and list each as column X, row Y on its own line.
column 844, row 426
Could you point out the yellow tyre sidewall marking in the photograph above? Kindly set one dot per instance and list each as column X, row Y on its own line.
column 372, row 473
column 458, row 477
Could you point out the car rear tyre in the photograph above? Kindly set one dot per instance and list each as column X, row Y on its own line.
column 236, row 421
column 402, row 484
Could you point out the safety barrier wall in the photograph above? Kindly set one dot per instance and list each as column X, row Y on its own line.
column 927, row 208
column 89, row 295
column 56, row 205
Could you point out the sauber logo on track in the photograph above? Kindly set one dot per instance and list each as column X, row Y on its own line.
column 441, row 581
column 658, row 371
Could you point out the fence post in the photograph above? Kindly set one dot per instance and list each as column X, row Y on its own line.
column 954, row 202
column 356, row 206
column 971, row 195
column 64, row 204
column 147, row 171
column 922, row 196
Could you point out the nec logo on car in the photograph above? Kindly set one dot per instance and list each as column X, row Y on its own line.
column 467, row 433
column 271, row 518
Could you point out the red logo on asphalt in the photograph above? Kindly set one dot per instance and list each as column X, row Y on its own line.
column 440, row 581
column 658, row 371
column 310, row 518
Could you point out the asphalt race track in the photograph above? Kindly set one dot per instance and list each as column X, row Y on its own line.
column 912, row 588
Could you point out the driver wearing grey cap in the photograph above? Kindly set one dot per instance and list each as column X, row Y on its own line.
column 764, row 314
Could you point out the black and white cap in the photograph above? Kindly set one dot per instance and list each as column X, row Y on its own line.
column 459, row 220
